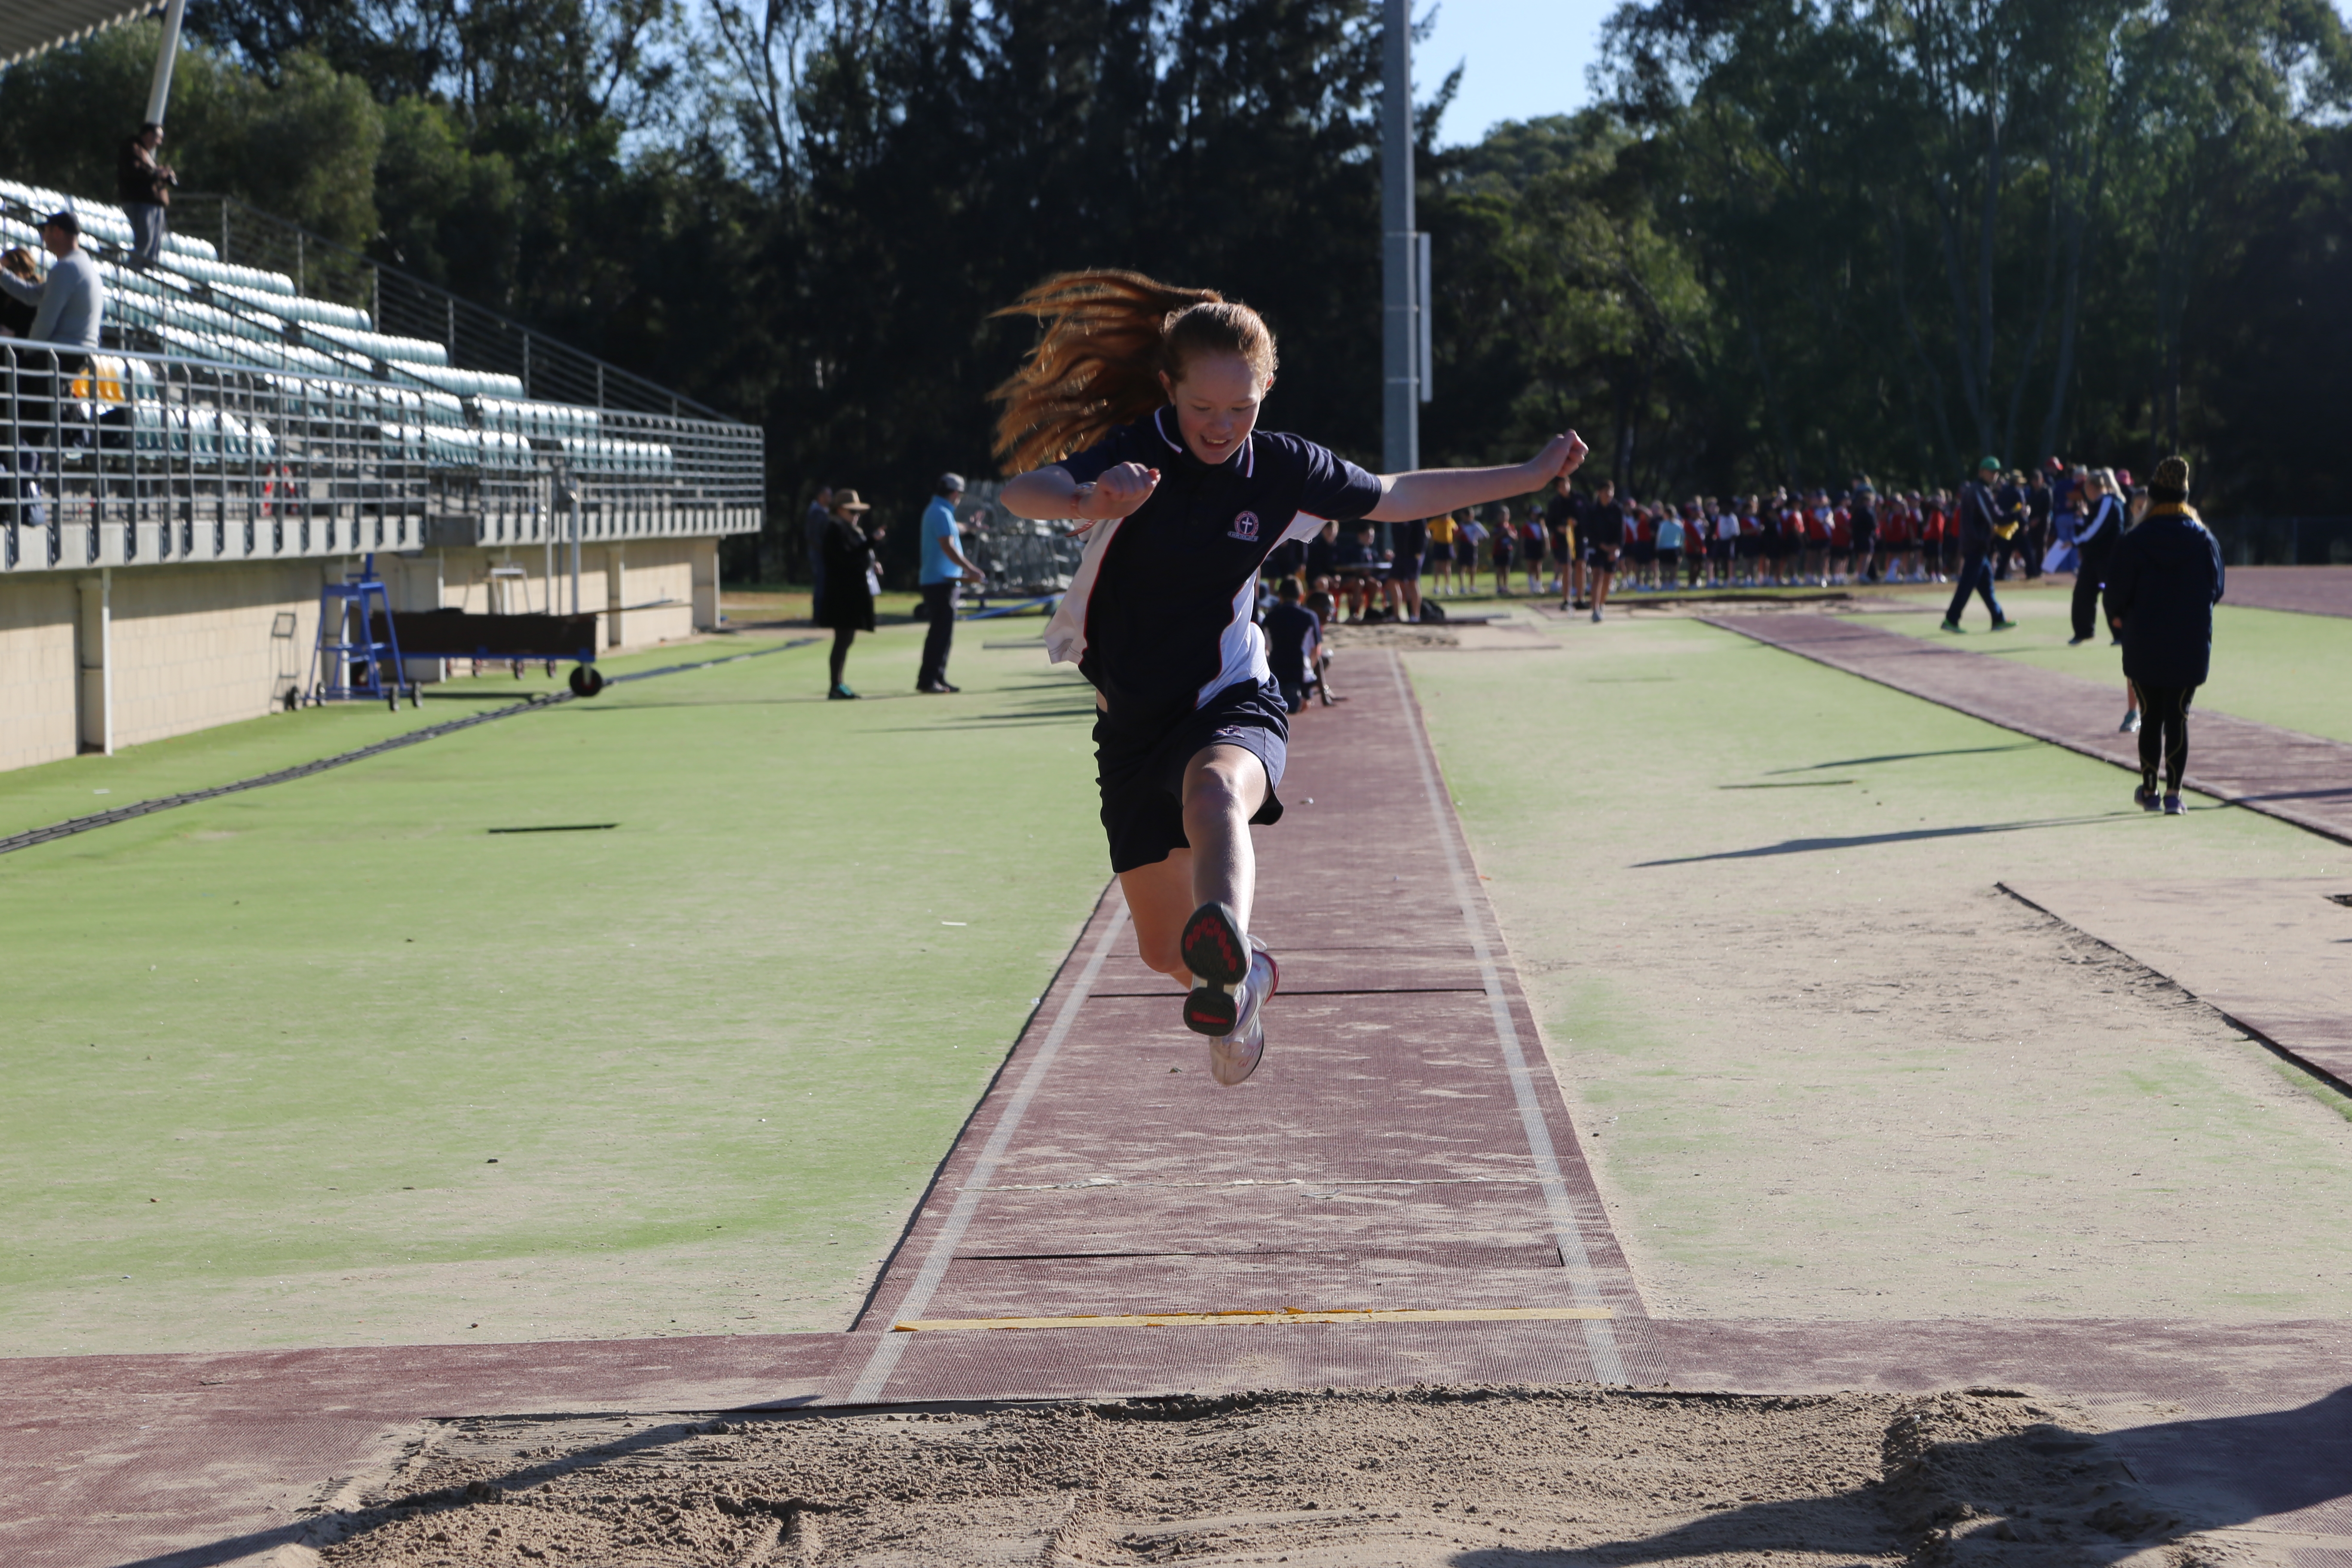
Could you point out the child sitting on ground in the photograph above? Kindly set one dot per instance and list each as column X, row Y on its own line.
column 1293, row 645
column 1318, row 668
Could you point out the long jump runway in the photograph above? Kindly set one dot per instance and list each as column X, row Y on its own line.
column 1396, row 1196
column 2304, row 590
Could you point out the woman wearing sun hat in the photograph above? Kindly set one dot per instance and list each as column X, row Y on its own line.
column 847, row 604
column 2162, row 584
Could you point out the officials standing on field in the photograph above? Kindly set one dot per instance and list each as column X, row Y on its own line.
column 945, row 570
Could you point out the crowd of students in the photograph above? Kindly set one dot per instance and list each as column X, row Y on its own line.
column 1580, row 546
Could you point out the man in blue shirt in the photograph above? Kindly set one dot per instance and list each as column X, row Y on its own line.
column 946, row 569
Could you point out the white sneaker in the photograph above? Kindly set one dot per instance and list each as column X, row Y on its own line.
column 1232, row 1058
column 2130, row 726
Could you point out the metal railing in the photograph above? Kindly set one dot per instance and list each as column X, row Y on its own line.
column 129, row 459
column 403, row 305
column 1022, row 557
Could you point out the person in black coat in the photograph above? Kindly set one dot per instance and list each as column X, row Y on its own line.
column 847, row 603
column 2162, row 584
column 2096, row 536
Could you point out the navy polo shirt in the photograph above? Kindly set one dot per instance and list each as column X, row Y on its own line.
column 1160, row 616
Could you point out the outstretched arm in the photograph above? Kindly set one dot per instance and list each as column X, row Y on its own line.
column 1425, row 492
column 1051, row 493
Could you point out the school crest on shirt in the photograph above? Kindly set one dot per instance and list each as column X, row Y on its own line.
column 1245, row 527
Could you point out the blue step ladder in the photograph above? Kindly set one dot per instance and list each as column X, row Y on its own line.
column 350, row 664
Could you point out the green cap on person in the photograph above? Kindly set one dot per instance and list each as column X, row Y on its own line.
column 1993, row 463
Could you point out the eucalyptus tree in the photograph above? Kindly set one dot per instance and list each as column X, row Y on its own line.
column 1921, row 210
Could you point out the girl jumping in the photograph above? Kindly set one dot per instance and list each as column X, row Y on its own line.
column 1135, row 414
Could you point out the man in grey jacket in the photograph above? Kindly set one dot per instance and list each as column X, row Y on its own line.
column 70, row 299
column 68, row 305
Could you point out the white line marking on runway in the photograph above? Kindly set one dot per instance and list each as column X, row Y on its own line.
column 885, row 1359
column 1599, row 1340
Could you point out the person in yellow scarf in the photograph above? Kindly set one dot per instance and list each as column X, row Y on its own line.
column 2162, row 585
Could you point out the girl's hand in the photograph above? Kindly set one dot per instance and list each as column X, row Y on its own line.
column 1561, row 458
column 1120, row 491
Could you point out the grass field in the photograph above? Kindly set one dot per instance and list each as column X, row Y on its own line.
column 331, row 1063
column 264, row 1050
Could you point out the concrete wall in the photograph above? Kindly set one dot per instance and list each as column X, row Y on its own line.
column 37, row 668
column 194, row 647
column 101, row 659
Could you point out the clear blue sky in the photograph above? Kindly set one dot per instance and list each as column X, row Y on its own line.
column 1520, row 58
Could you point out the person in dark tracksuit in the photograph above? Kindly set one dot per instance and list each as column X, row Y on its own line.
column 1980, row 514
column 2095, row 538
column 2162, row 584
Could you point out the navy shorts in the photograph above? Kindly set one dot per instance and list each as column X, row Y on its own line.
column 1140, row 768
column 1405, row 568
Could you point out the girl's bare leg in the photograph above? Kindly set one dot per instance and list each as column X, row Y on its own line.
column 1158, row 899
column 1223, row 788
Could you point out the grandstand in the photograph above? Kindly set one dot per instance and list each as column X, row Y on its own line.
column 168, row 517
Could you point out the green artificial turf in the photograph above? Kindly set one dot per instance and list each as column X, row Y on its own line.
column 2271, row 666
column 329, row 1062
column 81, row 786
column 1824, row 1066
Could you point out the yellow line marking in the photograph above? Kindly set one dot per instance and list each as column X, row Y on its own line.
column 1288, row 1315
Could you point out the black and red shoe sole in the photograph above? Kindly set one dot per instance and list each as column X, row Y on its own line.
column 1215, row 950
column 1212, row 946
column 1212, row 1012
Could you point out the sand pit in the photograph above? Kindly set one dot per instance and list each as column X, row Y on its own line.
column 1488, row 1477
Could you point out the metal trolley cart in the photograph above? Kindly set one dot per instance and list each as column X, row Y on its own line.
column 357, row 657
column 517, row 640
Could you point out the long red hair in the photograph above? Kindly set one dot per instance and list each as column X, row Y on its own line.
column 1108, row 336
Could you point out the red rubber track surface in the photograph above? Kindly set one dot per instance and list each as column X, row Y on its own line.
column 1388, row 1153
column 2307, row 590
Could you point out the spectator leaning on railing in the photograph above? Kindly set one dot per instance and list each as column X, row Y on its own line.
column 66, row 306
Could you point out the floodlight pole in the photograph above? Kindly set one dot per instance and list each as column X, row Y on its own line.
column 575, row 551
column 567, row 495
column 159, row 87
column 1401, row 293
